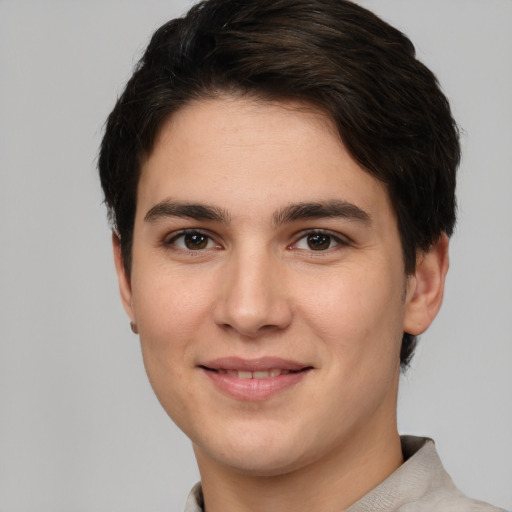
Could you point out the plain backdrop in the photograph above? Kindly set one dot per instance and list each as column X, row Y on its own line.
column 80, row 429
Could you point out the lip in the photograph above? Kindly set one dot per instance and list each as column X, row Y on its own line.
column 253, row 365
column 254, row 389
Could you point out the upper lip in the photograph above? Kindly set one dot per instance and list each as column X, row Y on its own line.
column 253, row 365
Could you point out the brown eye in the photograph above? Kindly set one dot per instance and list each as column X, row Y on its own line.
column 192, row 241
column 195, row 241
column 318, row 241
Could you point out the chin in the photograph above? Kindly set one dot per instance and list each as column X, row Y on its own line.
column 256, row 453
column 264, row 463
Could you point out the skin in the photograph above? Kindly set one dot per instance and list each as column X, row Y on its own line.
column 256, row 288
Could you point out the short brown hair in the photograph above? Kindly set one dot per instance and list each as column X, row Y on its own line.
column 388, row 107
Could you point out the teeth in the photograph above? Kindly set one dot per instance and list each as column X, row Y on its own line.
column 264, row 374
column 261, row 375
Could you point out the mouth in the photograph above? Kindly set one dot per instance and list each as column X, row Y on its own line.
column 257, row 374
column 256, row 379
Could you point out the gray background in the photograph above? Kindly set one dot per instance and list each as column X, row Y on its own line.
column 79, row 427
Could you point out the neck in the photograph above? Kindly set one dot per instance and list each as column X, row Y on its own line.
column 331, row 484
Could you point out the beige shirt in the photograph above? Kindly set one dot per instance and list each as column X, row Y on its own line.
column 420, row 484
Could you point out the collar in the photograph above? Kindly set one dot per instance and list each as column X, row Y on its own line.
column 420, row 475
column 419, row 484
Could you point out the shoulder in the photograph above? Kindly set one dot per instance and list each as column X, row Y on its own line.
column 447, row 501
column 421, row 484
column 440, row 493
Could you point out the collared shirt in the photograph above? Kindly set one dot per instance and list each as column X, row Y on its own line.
column 420, row 484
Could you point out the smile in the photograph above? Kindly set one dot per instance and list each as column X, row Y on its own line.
column 260, row 374
column 254, row 380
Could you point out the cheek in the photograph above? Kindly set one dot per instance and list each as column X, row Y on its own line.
column 169, row 309
column 358, row 316
column 168, row 313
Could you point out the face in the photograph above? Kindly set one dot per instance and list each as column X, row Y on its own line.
column 268, row 286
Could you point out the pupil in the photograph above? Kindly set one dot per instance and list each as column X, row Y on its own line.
column 318, row 242
column 196, row 241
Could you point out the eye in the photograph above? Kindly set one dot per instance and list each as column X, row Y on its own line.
column 318, row 241
column 192, row 241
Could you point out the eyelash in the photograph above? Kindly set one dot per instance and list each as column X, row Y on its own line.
column 170, row 243
column 333, row 237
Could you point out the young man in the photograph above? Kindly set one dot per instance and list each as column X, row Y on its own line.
column 281, row 177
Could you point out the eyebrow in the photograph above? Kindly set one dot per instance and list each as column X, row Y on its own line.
column 319, row 210
column 170, row 208
column 291, row 213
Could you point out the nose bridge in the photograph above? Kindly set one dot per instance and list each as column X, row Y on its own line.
column 253, row 294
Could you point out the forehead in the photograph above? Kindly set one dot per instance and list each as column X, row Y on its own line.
column 243, row 151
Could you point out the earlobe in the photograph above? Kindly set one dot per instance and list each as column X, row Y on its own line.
column 426, row 288
column 125, row 289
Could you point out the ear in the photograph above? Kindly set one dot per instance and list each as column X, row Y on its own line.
column 125, row 287
column 425, row 288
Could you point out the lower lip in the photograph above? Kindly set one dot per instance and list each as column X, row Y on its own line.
column 254, row 389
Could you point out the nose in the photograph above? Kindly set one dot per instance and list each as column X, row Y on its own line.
column 253, row 298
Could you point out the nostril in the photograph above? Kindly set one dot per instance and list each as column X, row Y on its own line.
column 251, row 304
